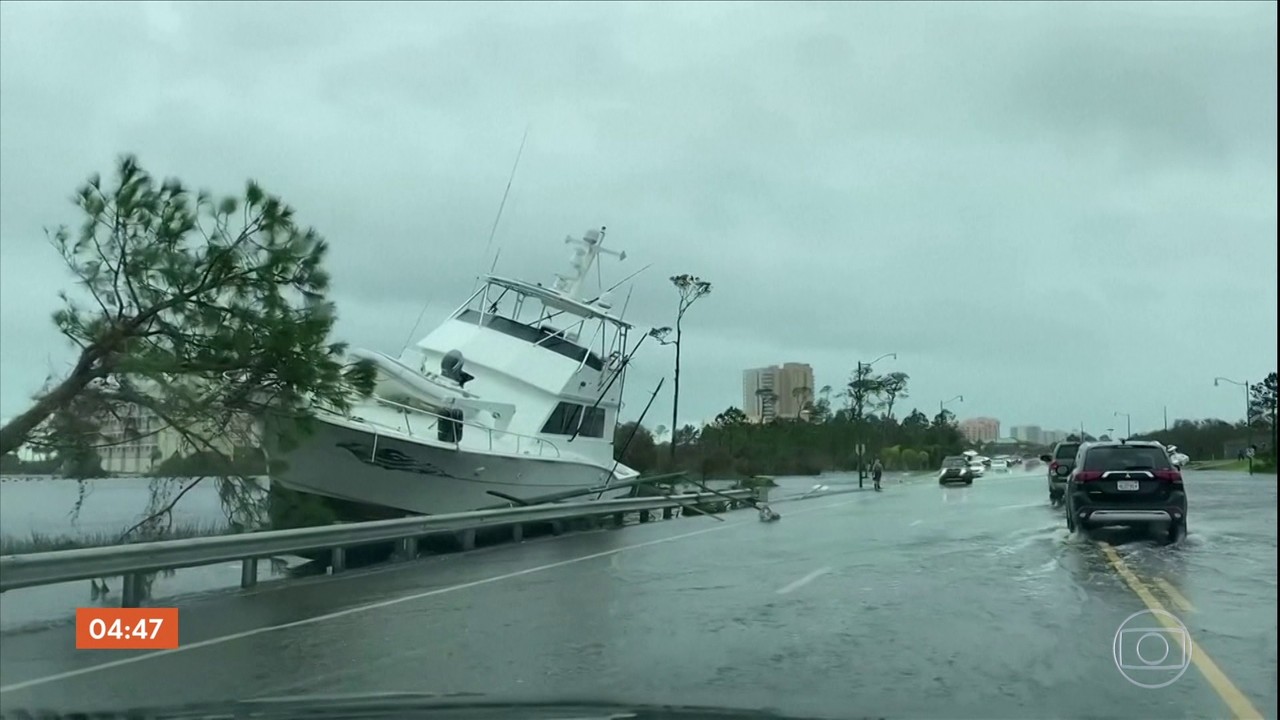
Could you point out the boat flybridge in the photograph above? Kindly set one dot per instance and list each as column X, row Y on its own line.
column 514, row 396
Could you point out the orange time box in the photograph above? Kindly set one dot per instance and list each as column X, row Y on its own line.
column 126, row 628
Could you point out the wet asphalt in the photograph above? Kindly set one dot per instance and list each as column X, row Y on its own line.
column 917, row 602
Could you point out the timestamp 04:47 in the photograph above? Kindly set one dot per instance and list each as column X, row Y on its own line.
column 126, row 628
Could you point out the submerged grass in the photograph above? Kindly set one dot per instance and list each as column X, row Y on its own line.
column 1260, row 466
column 42, row 542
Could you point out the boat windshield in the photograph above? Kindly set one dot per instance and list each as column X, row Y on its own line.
column 545, row 336
column 542, row 317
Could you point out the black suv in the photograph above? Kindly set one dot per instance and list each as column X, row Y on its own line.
column 1127, row 483
column 1060, row 462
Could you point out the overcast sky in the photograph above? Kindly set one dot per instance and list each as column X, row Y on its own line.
column 1058, row 211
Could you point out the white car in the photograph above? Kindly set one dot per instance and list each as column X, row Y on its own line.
column 1000, row 465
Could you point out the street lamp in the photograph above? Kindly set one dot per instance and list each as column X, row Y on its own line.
column 1128, row 424
column 862, row 472
column 943, row 403
column 1248, row 421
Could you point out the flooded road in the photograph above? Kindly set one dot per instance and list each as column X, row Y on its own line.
column 919, row 601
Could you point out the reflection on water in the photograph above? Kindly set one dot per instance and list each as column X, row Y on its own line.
column 106, row 505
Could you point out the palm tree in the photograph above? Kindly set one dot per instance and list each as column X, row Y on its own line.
column 767, row 399
column 801, row 394
column 690, row 288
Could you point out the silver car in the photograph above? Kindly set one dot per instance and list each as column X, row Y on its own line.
column 1060, row 462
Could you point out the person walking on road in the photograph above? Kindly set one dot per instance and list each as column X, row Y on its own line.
column 877, row 470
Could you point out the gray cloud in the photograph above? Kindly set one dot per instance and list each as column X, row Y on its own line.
column 1057, row 210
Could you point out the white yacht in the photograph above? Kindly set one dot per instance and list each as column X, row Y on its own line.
column 514, row 397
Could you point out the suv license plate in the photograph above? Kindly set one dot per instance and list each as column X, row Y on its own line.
column 1126, row 485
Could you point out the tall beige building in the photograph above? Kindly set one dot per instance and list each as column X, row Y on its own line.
column 983, row 429
column 777, row 391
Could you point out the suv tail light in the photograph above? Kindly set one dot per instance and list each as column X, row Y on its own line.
column 1171, row 476
column 1086, row 476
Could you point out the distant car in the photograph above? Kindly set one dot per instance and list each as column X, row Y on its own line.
column 1060, row 462
column 1127, row 483
column 956, row 469
column 999, row 465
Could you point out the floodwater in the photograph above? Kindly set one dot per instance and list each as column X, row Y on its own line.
column 47, row 506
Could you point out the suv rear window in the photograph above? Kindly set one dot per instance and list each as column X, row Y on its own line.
column 1126, row 457
column 954, row 461
column 1066, row 451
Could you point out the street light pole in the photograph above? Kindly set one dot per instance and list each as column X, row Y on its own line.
column 859, row 439
column 1248, row 421
column 943, row 403
column 1128, row 424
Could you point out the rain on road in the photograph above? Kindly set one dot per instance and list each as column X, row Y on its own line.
column 921, row 601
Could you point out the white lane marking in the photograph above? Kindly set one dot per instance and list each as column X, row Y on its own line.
column 917, row 522
column 804, row 580
column 380, row 604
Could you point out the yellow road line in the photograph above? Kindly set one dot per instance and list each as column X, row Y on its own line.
column 1172, row 592
column 1240, row 706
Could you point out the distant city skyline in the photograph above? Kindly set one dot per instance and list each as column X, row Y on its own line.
column 777, row 391
column 980, row 429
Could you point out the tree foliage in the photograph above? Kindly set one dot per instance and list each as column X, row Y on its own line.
column 732, row 445
column 1205, row 439
column 208, row 313
column 1262, row 404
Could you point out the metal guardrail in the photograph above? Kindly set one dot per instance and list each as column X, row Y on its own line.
column 135, row 560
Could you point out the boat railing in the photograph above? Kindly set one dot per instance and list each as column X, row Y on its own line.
column 522, row 440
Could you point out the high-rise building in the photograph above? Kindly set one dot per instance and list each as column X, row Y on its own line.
column 980, row 430
column 777, row 391
column 1027, row 433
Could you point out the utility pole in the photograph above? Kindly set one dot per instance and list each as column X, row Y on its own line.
column 1166, row 418
column 860, row 402
column 1248, row 421
column 1128, row 424
column 857, row 428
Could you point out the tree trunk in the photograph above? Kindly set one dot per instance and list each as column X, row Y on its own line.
column 675, row 399
column 18, row 430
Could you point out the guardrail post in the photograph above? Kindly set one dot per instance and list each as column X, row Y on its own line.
column 644, row 516
column 517, row 533
column 132, row 591
column 666, row 513
column 248, row 572
column 339, row 560
column 619, row 519
column 407, row 548
column 468, row 539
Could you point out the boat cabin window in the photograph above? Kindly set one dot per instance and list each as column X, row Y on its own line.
column 540, row 336
column 566, row 417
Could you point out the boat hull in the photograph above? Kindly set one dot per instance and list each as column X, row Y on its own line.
column 407, row 477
